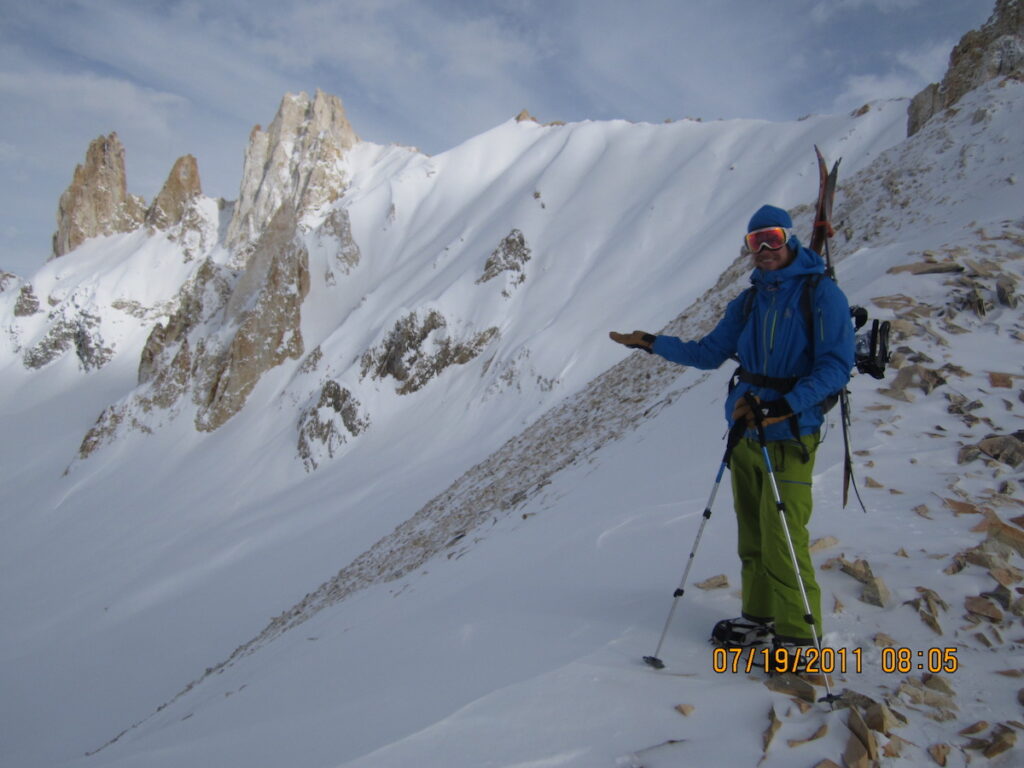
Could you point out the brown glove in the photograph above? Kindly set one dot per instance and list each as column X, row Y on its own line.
column 771, row 412
column 635, row 340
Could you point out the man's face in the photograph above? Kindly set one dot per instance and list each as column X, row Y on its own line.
column 770, row 260
column 769, row 247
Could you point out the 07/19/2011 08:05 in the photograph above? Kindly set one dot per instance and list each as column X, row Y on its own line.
column 829, row 660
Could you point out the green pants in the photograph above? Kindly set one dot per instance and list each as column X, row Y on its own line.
column 770, row 589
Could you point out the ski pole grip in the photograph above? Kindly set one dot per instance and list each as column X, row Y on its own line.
column 755, row 410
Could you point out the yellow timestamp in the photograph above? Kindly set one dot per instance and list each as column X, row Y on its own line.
column 808, row 659
column 933, row 660
column 827, row 661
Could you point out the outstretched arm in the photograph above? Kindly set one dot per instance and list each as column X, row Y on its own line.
column 635, row 340
column 711, row 351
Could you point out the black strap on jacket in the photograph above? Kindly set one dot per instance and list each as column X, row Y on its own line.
column 783, row 385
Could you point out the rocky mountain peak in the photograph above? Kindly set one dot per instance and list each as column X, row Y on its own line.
column 180, row 189
column 97, row 201
column 994, row 50
column 295, row 160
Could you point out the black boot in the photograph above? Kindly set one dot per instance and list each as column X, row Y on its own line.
column 743, row 632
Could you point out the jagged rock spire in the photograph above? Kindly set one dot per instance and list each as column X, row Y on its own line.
column 295, row 160
column 994, row 50
column 182, row 186
column 97, row 201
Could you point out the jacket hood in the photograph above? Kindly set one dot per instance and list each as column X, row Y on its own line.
column 805, row 262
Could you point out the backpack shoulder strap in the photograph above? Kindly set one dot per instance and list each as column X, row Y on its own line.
column 748, row 301
column 807, row 305
column 748, row 294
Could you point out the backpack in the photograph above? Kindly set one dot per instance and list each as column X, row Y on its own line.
column 871, row 349
column 871, row 355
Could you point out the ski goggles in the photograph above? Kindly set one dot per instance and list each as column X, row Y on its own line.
column 771, row 238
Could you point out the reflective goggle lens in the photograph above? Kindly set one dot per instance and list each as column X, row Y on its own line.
column 771, row 238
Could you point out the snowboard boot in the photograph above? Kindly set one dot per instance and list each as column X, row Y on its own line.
column 742, row 632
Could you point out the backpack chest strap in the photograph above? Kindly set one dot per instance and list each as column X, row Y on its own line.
column 779, row 384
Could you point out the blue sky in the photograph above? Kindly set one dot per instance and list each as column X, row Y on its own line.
column 177, row 77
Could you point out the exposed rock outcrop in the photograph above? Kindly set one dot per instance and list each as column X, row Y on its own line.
column 326, row 425
column 416, row 351
column 994, row 50
column 179, row 213
column 295, row 161
column 166, row 359
column 510, row 256
column 27, row 303
column 335, row 234
column 225, row 334
column 180, row 189
column 97, row 201
column 265, row 307
column 76, row 329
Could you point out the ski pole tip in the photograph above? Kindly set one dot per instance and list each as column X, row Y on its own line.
column 654, row 661
column 832, row 699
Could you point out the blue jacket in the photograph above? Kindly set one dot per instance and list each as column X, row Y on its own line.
column 774, row 341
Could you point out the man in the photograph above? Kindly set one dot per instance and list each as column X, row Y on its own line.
column 790, row 369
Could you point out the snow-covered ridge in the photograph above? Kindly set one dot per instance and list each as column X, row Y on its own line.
column 401, row 211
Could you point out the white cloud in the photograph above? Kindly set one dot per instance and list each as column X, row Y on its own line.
column 860, row 89
column 61, row 96
column 827, row 9
column 302, row 35
column 904, row 77
column 693, row 59
column 928, row 63
column 204, row 60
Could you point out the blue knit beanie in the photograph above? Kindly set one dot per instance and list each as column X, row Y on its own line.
column 769, row 216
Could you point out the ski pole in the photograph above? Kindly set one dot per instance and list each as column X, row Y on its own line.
column 735, row 433
column 781, row 506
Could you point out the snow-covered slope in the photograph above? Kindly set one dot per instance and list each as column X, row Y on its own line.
column 517, row 640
